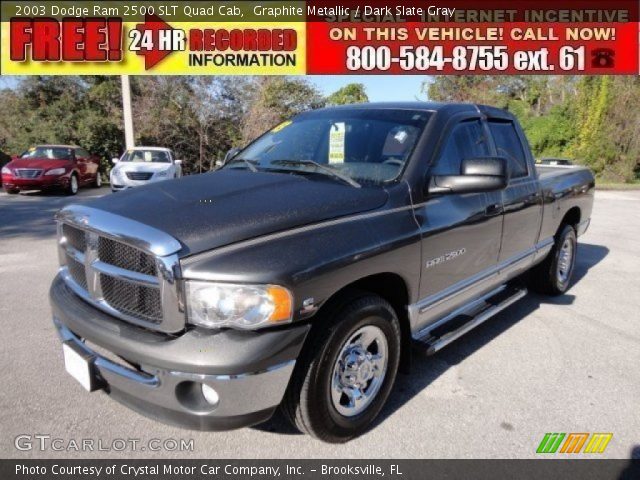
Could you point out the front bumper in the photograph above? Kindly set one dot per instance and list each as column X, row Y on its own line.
column 122, row 182
column 38, row 183
column 160, row 376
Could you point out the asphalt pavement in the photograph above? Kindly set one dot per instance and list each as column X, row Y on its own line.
column 565, row 364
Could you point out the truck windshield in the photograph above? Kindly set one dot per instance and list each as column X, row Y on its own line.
column 149, row 156
column 365, row 145
column 53, row 153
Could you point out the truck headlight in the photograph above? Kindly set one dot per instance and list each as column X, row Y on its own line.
column 7, row 171
column 215, row 305
column 55, row 171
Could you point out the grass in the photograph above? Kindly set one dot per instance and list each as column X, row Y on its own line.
column 604, row 185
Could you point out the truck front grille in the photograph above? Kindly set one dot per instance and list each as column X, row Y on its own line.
column 132, row 290
column 28, row 172
column 76, row 270
column 137, row 301
column 124, row 256
column 139, row 175
column 75, row 237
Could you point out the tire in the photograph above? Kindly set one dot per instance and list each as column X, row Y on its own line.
column 12, row 191
column 553, row 275
column 315, row 401
column 73, row 186
column 97, row 183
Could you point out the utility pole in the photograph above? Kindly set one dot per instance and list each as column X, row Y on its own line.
column 126, row 112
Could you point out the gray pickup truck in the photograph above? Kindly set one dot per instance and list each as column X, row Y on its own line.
column 300, row 273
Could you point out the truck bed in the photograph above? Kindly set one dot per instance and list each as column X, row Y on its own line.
column 549, row 171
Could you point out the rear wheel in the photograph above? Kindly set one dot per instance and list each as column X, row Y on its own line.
column 72, row 188
column 97, row 183
column 346, row 372
column 12, row 191
column 553, row 275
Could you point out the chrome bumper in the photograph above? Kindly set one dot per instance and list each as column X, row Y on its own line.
column 176, row 397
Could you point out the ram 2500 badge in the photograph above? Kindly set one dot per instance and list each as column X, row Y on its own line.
column 300, row 273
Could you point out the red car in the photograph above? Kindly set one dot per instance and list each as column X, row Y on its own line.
column 45, row 167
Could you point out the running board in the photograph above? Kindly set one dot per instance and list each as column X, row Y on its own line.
column 460, row 322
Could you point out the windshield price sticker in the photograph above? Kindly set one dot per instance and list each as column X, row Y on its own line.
column 336, row 143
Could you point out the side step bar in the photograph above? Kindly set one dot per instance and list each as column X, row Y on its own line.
column 452, row 327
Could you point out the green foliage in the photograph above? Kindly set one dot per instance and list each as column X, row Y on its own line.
column 594, row 120
column 199, row 117
column 350, row 93
column 275, row 99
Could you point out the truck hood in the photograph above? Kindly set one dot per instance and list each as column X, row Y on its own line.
column 220, row 208
column 44, row 163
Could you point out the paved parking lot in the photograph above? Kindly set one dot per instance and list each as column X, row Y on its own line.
column 568, row 364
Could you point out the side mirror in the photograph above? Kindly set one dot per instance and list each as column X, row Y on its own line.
column 178, row 162
column 231, row 153
column 483, row 174
column 115, row 160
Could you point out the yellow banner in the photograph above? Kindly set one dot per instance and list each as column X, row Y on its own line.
column 198, row 48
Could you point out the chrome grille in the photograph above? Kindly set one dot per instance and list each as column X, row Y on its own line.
column 129, row 272
column 139, row 175
column 124, row 256
column 75, row 237
column 76, row 270
column 135, row 300
column 28, row 172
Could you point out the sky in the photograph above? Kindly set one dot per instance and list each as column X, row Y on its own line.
column 380, row 88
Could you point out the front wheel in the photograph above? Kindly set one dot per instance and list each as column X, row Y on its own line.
column 72, row 189
column 553, row 275
column 346, row 373
column 97, row 183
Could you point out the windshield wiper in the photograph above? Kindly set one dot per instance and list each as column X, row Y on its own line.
column 329, row 171
column 247, row 162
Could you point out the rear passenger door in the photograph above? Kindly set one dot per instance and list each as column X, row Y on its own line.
column 522, row 200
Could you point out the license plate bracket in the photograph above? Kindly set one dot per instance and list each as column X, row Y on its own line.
column 81, row 365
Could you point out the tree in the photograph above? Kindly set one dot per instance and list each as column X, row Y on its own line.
column 350, row 93
column 275, row 100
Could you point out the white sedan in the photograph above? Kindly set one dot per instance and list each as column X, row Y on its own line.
column 143, row 165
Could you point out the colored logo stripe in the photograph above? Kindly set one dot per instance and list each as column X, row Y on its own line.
column 550, row 443
column 598, row 442
column 574, row 442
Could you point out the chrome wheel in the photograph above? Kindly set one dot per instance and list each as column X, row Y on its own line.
column 565, row 261
column 359, row 371
column 98, row 180
column 74, row 184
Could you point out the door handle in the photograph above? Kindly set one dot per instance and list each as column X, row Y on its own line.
column 493, row 210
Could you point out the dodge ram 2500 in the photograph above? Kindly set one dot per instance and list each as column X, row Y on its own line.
column 300, row 273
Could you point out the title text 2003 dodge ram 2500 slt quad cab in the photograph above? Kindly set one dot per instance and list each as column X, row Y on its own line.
column 299, row 274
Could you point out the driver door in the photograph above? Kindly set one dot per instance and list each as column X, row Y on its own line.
column 461, row 232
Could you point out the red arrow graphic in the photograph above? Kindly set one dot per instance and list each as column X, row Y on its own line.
column 153, row 55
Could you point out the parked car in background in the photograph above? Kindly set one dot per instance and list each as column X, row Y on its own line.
column 4, row 159
column 48, row 167
column 554, row 161
column 142, row 165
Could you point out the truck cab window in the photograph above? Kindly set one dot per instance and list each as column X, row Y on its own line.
column 466, row 140
column 508, row 145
